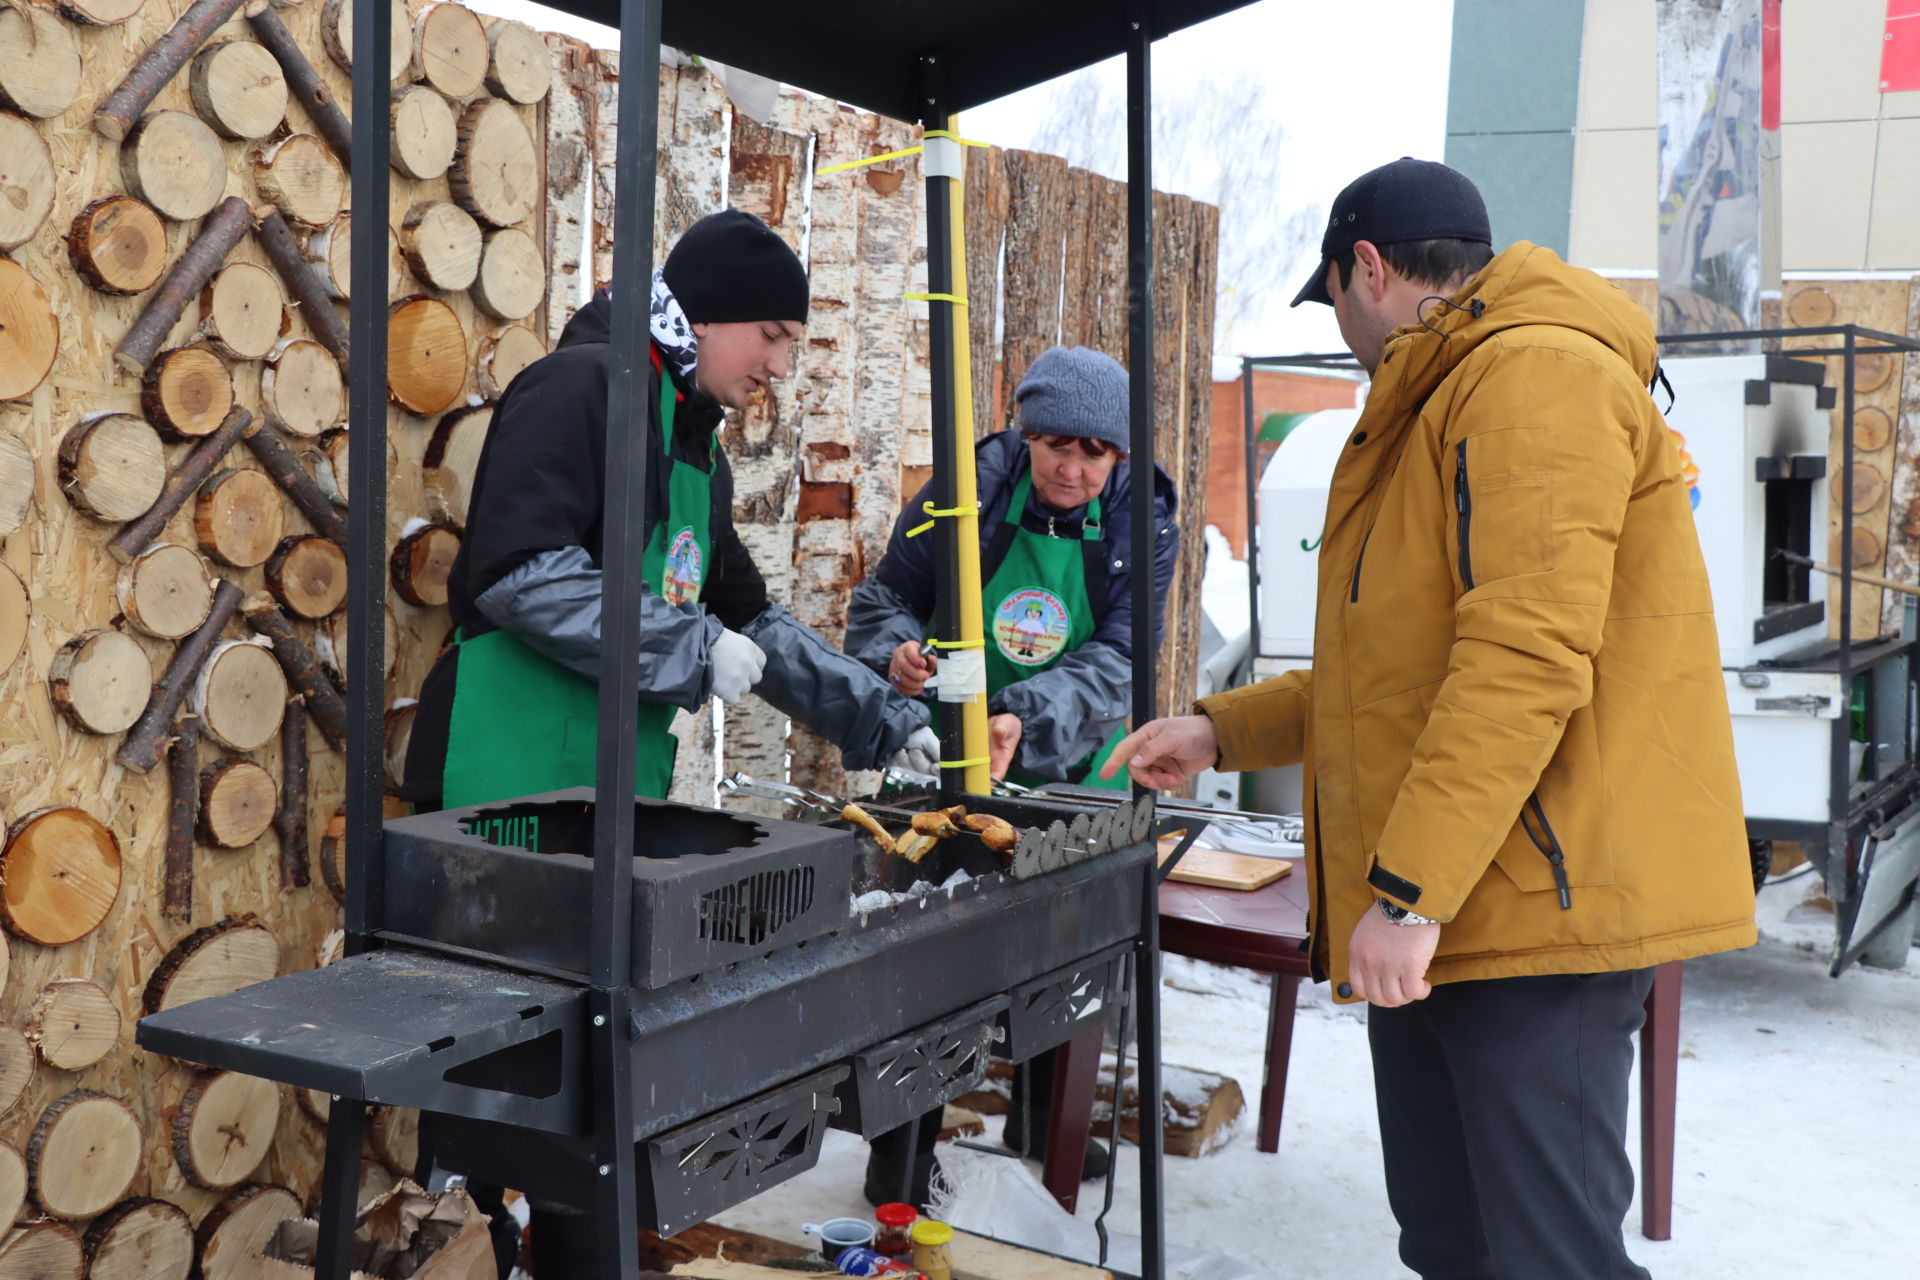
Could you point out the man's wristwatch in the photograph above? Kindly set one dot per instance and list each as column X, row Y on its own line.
column 1397, row 914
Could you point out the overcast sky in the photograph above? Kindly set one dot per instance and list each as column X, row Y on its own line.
column 1357, row 83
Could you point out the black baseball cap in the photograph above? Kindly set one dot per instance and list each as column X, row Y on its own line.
column 1406, row 200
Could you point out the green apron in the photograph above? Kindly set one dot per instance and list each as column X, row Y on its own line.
column 1037, row 610
column 523, row 724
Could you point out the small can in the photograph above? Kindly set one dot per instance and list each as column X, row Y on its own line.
column 866, row 1262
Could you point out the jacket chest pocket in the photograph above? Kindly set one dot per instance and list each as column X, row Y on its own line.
column 1503, row 505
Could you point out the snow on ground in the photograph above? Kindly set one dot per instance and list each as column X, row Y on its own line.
column 1796, row 1153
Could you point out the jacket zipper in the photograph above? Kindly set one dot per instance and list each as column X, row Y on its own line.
column 1556, row 856
column 1353, row 596
column 1463, row 503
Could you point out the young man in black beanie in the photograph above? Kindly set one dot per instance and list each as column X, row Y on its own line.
column 510, row 707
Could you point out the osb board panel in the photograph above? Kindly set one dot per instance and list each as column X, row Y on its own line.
column 1873, row 304
column 1903, row 522
column 61, row 556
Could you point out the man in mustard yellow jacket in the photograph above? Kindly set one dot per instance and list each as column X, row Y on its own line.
column 1521, row 792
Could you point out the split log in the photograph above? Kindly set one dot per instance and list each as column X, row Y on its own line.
column 239, row 518
column 39, row 62
column 183, row 810
column 26, row 179
column 336, row 33
column 100, row 681
column 145, row 741
column 166, row 590
column 302, row 388
column 308, row 575
column 61, row 875
column 329, row 257
column 140, row 1239
column 16, row 488
column 215, row 961
column 450, row 49
column 302, row 179
column 513, row 275
column 16, row 1067
column 236, row 803
column 421, row 563
column 423, row 132
column 240, row 695
column 452, row 458
column 161, row 62
column 519, row 67
column 302, row 670
column 426, row 356
column 223, row 1127
column 496, row 174
column 175, row 162
column 243, row 311
column 235, row 1231
column 238, row 88
column 181, row 483
column 29, row 332
column 15, row 611
column 333, row 871
column 441, row 242
column 280, row 462
column 117, row 244
column 397, row 733
column 42, row 1250
column 83, row 1154
column 187, row 393
column 503, row 354
column 290, row 819
column 73, row 1024
column 13, row 1186
column 112, row 466
column 189, row 275
column 393, row 1133
column 313, row 92
column 311, row 289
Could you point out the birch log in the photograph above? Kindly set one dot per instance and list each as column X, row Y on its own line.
column 312, row 288
column 147, row 739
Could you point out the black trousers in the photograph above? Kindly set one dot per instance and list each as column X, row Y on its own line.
column 1503, row 1114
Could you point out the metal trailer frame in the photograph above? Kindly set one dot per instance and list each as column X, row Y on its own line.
column 1869, row 829
column 889, row 55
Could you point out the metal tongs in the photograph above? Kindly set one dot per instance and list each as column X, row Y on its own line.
column 803, row 797
column 1262, row 827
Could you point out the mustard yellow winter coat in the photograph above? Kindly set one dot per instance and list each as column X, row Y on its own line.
column 1514, row 662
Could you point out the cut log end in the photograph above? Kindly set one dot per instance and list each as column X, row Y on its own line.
column 520, row 68
column 237, row 801
column 26, row 181
column 241, row 695
column 223, row 1127
column 16, row 1067
column 140, row 1239
column 442, row 244
column 112, row 466
column 101, row 680
column 187, row 392
column 424, row 133
column 230, row 1238
column 308, row 576
column 513, row 276
column 243, row 311
column 118, row 245
column 215, row 961
column 39, row 62
column 16, row 488
column 496, row 174
column 302, row 388
column 166, row 590
column 73, row 1024
column 15, row 612
column 421, row 563
column 174, row 162
column 239, row 89
column 426, row 356
column 450, row 49
column 453, row 458
column 503, row 354
column 29, row 332
column 239, row 517
column 59, row 876
column 83, row 1154
column 43, row 1250
column 300, row 175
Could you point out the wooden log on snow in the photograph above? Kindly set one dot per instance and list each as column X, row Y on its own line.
column 148, row 737
column 180, row 484
column 39, row 62
column 290, row 819
column 26, row 178
column 426, row 356
column 239, row 89
column 215, row 961
column 323, row 108
column 183, row 814
column 302, row 670
column 29, row 332
column 112, row 466
column 312, row 290
column 238, row 517
column 187, row 393
column 236, row 803
column 280, row 462
column 183, row 283
column 307, row 574
column 503, row 354
column 302, row 179
column 73, row 1024
column 240, row 695
column 117, row 244
column 100, row 680
column 59, row 876
column 441, row 243
column 243, row 311
column 175, row 162
column 140, row 1239
column 83, row 1154
column 162, row 61
column 424, row 133
column 223, row 1127
column 496, row 174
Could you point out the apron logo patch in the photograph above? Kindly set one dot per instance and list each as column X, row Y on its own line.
column 1031, row 627
column 684, row 570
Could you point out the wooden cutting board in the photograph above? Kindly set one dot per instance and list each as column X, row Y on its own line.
column 1218, row 869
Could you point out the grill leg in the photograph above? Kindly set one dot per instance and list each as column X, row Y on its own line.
column 1075, row 1069
column 340, row 1188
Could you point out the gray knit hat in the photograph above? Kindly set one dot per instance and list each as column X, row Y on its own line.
column 1074, row 391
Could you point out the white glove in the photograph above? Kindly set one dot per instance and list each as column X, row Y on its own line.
column 920, row 755
column 737, row 664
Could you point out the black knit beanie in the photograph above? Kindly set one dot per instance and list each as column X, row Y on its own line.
column 731, row 266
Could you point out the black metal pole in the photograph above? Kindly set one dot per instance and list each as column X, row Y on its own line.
column 1253, row 511
column 340, row 1178
column 1153, row 1251
column 1840, row 774
column 949, row 716
column 623, row 535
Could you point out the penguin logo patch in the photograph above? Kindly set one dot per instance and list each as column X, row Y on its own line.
column 1031, row 626
column 684, row 570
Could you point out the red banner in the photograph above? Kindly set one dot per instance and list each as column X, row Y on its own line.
column 1900, row 54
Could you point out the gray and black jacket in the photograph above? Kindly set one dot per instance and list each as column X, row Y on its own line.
column 529, row 562
column 1068, row 711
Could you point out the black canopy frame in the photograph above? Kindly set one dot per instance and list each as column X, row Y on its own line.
column 915, row 60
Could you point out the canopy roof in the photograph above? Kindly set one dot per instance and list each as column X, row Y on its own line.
column 868, row 52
